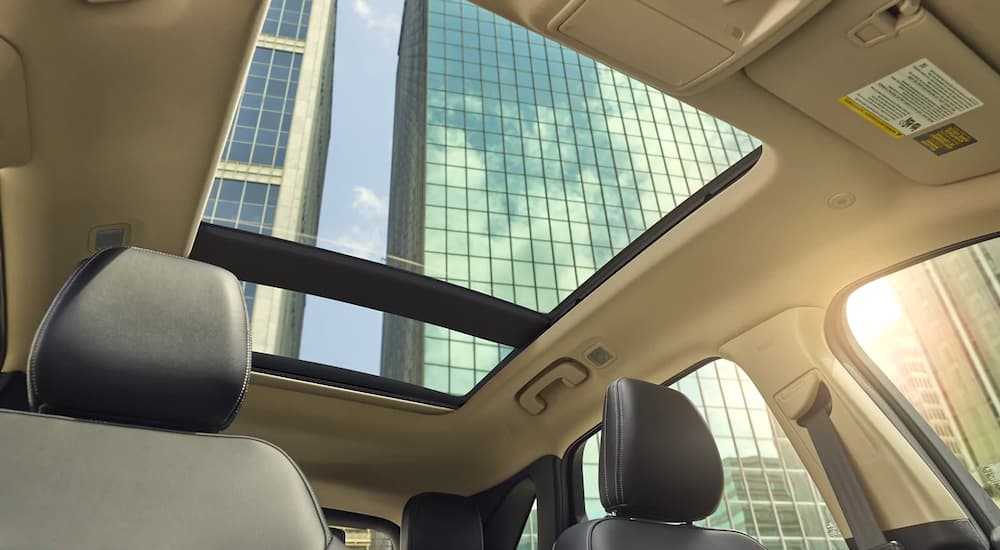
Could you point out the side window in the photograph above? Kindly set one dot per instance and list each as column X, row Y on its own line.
column 529, row 536
column 362, row 539
column 768, row 492
column 934, row 330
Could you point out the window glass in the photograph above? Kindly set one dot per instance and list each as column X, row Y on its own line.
column 362, row 539
column 529, row 535
column 767, row 494
column 410, row 351
column 460, row 146
column 934, row 330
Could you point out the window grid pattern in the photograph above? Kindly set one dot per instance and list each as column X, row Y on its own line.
column 259, row 133
column 455, row 362
column 541, row 165
column 768, row 492
column 245, row 205
column 287, row 18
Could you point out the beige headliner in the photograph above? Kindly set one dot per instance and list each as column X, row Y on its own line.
column 128, row 111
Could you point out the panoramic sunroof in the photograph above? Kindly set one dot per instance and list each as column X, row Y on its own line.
column 449, row 142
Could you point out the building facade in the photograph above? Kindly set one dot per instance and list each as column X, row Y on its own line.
column 519, row 168
column 270, row 177
column 943, row 352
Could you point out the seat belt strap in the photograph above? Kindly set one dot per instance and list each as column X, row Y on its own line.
column 842, row 475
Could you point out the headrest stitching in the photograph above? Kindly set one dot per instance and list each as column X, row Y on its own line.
column 602, row 478
column 246, row 375
column 619, row 465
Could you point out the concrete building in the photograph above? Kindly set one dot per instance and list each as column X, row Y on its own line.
column 270, row 177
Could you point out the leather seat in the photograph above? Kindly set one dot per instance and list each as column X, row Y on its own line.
column 439, row 521
column 659, row 472
column 141, row 359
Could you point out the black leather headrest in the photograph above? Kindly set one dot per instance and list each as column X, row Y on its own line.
column 438, row 521
column 140, row 337
column 658, row 459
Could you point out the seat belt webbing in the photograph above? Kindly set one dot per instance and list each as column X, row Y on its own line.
column 842, row 476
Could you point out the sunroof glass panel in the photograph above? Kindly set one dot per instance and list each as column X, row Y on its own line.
column 479, row 153
column 459, row 146
column 368, row 341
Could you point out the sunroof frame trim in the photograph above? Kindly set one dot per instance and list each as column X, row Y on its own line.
column 316, row 271
column 241, row 251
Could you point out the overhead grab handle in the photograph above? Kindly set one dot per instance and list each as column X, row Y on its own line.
column 568, row 373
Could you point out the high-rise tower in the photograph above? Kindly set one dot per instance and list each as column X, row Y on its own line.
column 270, row 177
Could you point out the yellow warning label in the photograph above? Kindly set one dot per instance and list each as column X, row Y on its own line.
column 945, row 140
column 870, row 117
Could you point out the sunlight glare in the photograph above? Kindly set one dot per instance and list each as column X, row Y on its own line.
column 872, row 308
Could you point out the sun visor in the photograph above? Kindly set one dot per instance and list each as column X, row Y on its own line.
column 679, row 46
column 895, row 81
column 15, row 140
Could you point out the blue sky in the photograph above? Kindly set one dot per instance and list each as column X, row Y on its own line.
column 355, row 195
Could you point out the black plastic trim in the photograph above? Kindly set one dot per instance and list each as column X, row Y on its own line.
column 956, row 534
column 294, row 266
column 362, row 521
column 14, row 391
column 897, row 407
column 544, row 475
column 683, row 210
column 505, row 510
column 352, row 380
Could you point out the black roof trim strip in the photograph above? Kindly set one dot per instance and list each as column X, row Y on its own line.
column 329, row 375
column 674, row 217
column 303, row 268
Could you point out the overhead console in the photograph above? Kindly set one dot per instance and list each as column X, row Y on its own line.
column 893, row 79
column 681, row 46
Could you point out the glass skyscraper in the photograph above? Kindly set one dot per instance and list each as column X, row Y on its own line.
column 519, row 168
column 270, row 177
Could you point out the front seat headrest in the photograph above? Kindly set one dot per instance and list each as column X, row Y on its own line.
column 658, row 458
column 439, row 521
column 144, row 338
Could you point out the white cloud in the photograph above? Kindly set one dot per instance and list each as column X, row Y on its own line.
column 367, row 243
column 367, row 203
column 362, row 8
column 385, row 23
